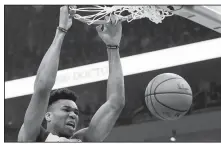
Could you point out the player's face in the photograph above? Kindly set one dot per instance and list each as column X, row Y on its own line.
column 65, row 117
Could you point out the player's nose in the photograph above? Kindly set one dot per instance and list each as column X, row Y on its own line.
column 72, row 115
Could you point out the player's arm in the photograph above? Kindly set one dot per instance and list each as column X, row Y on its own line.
column 105, row 118
column 44, row 82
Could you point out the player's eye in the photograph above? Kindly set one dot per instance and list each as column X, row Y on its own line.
column 65, row 109
column 76, row 112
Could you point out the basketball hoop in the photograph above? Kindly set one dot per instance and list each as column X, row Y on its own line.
column 97, row 13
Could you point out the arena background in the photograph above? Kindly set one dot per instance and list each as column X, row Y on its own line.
column 29, row 31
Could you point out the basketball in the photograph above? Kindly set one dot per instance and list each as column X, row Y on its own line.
column 168, row 96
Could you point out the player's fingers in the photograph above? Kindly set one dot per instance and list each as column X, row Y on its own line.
column 120, row 20
column 73, row 6
column 64, row 8
column 119, row 26
column 113, row 19
column 100, row 28
column 72, row 10
column 107, row 19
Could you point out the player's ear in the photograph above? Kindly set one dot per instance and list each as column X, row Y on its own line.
column 48, row 116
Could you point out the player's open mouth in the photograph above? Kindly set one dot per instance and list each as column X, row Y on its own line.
column 71, row 124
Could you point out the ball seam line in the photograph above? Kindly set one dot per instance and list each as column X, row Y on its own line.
column 170, row 93
column 164, row 82
column 152, row 102
column 168, row 106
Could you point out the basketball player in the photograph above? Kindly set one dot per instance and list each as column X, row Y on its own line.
column 61, row 112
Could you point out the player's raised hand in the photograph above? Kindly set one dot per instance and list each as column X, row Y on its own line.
column 111, row 32
column 65, row 20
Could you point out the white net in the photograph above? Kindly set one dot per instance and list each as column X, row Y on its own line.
column 153, row 13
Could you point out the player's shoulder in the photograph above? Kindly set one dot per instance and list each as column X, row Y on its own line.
column 43, row 135
column 80, row 134
column 25, row 136
column 81, row 131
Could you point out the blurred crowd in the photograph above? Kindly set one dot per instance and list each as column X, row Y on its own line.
column 29, row 31
column 210, row 97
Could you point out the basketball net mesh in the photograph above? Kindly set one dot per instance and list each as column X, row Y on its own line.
column 153, row 13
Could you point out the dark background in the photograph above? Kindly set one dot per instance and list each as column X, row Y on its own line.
column 29, row 31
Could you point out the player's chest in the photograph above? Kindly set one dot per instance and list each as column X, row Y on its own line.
column 55, row 138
